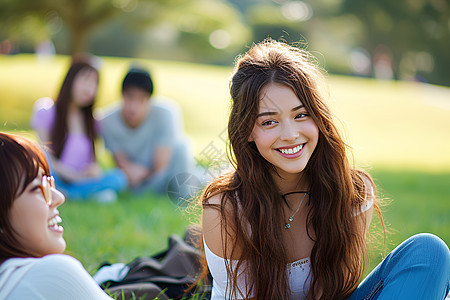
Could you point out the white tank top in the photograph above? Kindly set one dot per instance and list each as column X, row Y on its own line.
column 298, row 272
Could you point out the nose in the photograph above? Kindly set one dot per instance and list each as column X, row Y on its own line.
column 135, row 105
column 57, row 198
column 289, row 131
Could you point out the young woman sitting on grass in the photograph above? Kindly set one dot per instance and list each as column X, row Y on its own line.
column 32, row 265
column 290, row 221
column 68, row 129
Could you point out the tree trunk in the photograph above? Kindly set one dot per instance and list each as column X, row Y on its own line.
column 79, row 41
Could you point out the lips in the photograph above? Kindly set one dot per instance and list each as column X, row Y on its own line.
column 291, row 151
column 53, row 224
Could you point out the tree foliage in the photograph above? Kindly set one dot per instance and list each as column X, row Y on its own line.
column 80, row 17
column 415, row 35
column 416, row 32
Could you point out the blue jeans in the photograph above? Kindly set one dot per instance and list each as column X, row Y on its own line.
column 114, row 179
column 419, row 268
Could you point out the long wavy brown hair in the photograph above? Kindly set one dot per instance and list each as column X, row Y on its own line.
column 60, row 127
column 20, row 161
column 337, row 189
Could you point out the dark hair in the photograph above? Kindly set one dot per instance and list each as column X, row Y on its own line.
column 139, row 78
column 60, row 129
column 256, row 207
column 20, row 161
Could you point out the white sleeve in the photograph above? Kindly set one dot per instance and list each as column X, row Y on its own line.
column 216, row 265
column 57, row 276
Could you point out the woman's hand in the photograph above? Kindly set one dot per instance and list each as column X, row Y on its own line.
column 93, row 170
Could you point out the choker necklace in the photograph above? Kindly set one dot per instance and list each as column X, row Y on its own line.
column 291, row 218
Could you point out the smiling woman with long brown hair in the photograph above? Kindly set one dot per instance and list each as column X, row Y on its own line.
column 290, row 221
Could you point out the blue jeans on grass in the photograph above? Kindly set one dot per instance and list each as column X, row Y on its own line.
column 114, row 179
column 419, row 268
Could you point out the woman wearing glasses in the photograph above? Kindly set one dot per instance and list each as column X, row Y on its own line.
column 32, row 265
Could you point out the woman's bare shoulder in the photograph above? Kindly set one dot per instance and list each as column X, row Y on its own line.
column 215, row 230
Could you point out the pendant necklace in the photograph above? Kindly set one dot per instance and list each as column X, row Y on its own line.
column 291, row 218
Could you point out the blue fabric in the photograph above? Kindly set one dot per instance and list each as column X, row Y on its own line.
column 114, row 179
column 419, row 268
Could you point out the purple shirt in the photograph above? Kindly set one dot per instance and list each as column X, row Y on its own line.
column 77, row 151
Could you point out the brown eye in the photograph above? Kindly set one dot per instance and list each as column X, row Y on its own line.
column 301, row 115
column 36, row 188
column 268, row 123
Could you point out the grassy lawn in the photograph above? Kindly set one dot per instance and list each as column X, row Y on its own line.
column 414, row 202
column 120, row 231
column 141, row 225
column 398, row 131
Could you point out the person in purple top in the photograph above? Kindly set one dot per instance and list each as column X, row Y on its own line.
column 68, row 129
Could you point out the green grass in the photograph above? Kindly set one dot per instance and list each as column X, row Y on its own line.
column 120, row 231
column 399, row 131
column 141, row 225
column 416, row 202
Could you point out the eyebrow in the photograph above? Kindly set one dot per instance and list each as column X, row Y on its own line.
column 270, row 113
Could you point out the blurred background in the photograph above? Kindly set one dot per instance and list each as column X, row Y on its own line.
column 388, row 65
column 408, row 40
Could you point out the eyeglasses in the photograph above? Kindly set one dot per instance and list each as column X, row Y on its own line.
column 48, row 182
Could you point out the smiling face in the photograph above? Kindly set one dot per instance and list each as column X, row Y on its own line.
column 35, row 223
column 284, row 133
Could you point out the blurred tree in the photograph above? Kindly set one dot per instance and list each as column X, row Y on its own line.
column 282, row 24
column 207, row 31
column 405, row 39
column 415, row 33
column 211, row 31
column 80, row 17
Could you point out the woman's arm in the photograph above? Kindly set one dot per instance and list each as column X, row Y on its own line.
column 42, row 122
column 217, row 236
column 63, row 171
column 215, row 239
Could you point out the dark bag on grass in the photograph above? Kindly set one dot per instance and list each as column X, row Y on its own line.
column 166, row 275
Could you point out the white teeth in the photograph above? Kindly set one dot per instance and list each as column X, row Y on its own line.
column 55, row 220
column 292, row 150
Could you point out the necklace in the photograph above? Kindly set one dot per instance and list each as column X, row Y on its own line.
column 291, row 218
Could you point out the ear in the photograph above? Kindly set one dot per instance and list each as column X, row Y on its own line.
column 250, row 138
